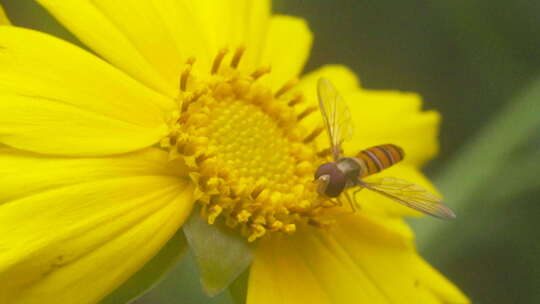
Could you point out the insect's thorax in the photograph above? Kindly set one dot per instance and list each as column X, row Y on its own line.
column 348, row 171
column 351, row 168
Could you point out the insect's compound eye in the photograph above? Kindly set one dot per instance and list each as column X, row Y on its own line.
column 325, row 169
column 322, row 183
column 331, row 180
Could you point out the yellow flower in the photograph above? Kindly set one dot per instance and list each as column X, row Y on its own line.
column 103, row 159
column 3, row 18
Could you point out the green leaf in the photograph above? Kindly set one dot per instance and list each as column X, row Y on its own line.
column 519, row 177
column 182, row 286
column 221, row 253
column 151, row 274
column 238, row 289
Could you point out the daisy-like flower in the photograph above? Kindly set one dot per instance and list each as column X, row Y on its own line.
column 193, row 103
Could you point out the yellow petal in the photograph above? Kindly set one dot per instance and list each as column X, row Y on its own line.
column 3, row 18
column 258, row 20
column 97, row 30
column 76, row 243
column 411, row 279
column 379, row 117
column 232, row 23
column 151, row 40
column 59, row 99
column 286, row 49
column 341, row 77
column 358, row 260
column 24, row 174
column 394, row 117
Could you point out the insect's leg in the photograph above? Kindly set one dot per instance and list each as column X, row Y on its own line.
column 354, row 196
column 333, row 202
column 351, row 201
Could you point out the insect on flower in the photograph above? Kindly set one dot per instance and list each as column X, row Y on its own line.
column 337, row 176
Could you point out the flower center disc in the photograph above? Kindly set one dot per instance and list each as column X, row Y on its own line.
column 248, row 154
column 251, row 143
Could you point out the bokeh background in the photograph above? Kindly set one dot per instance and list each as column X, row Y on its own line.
column 478, row 63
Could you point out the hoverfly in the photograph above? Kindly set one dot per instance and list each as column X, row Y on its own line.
column 337, row 176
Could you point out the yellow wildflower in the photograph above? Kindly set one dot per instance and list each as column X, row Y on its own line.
column 3, row 18
column 193, row 102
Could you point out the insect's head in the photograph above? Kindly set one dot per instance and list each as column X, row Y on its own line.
column 331, row 180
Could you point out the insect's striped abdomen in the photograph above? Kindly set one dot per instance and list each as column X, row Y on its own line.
column 380, row 157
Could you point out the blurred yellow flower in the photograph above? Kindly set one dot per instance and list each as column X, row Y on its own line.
column 3, row 18
column 103, row 159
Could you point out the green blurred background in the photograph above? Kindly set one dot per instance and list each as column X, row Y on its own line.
column 477, row 62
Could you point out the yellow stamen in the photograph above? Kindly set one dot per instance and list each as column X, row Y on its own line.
column 185, row 75
column 218, row 60
column 306, row 112
column 237, row 56
column 260, row 72
column 214, row 212
column 314, row 134
column 324, row 153
column 250, row 158
column 296, row 100
column 287, row 86
column 290, row 228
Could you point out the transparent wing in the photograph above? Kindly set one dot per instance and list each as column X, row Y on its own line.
column 336, row 115
column 411, row 195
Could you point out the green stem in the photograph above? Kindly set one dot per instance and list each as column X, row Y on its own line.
column 480, row 164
